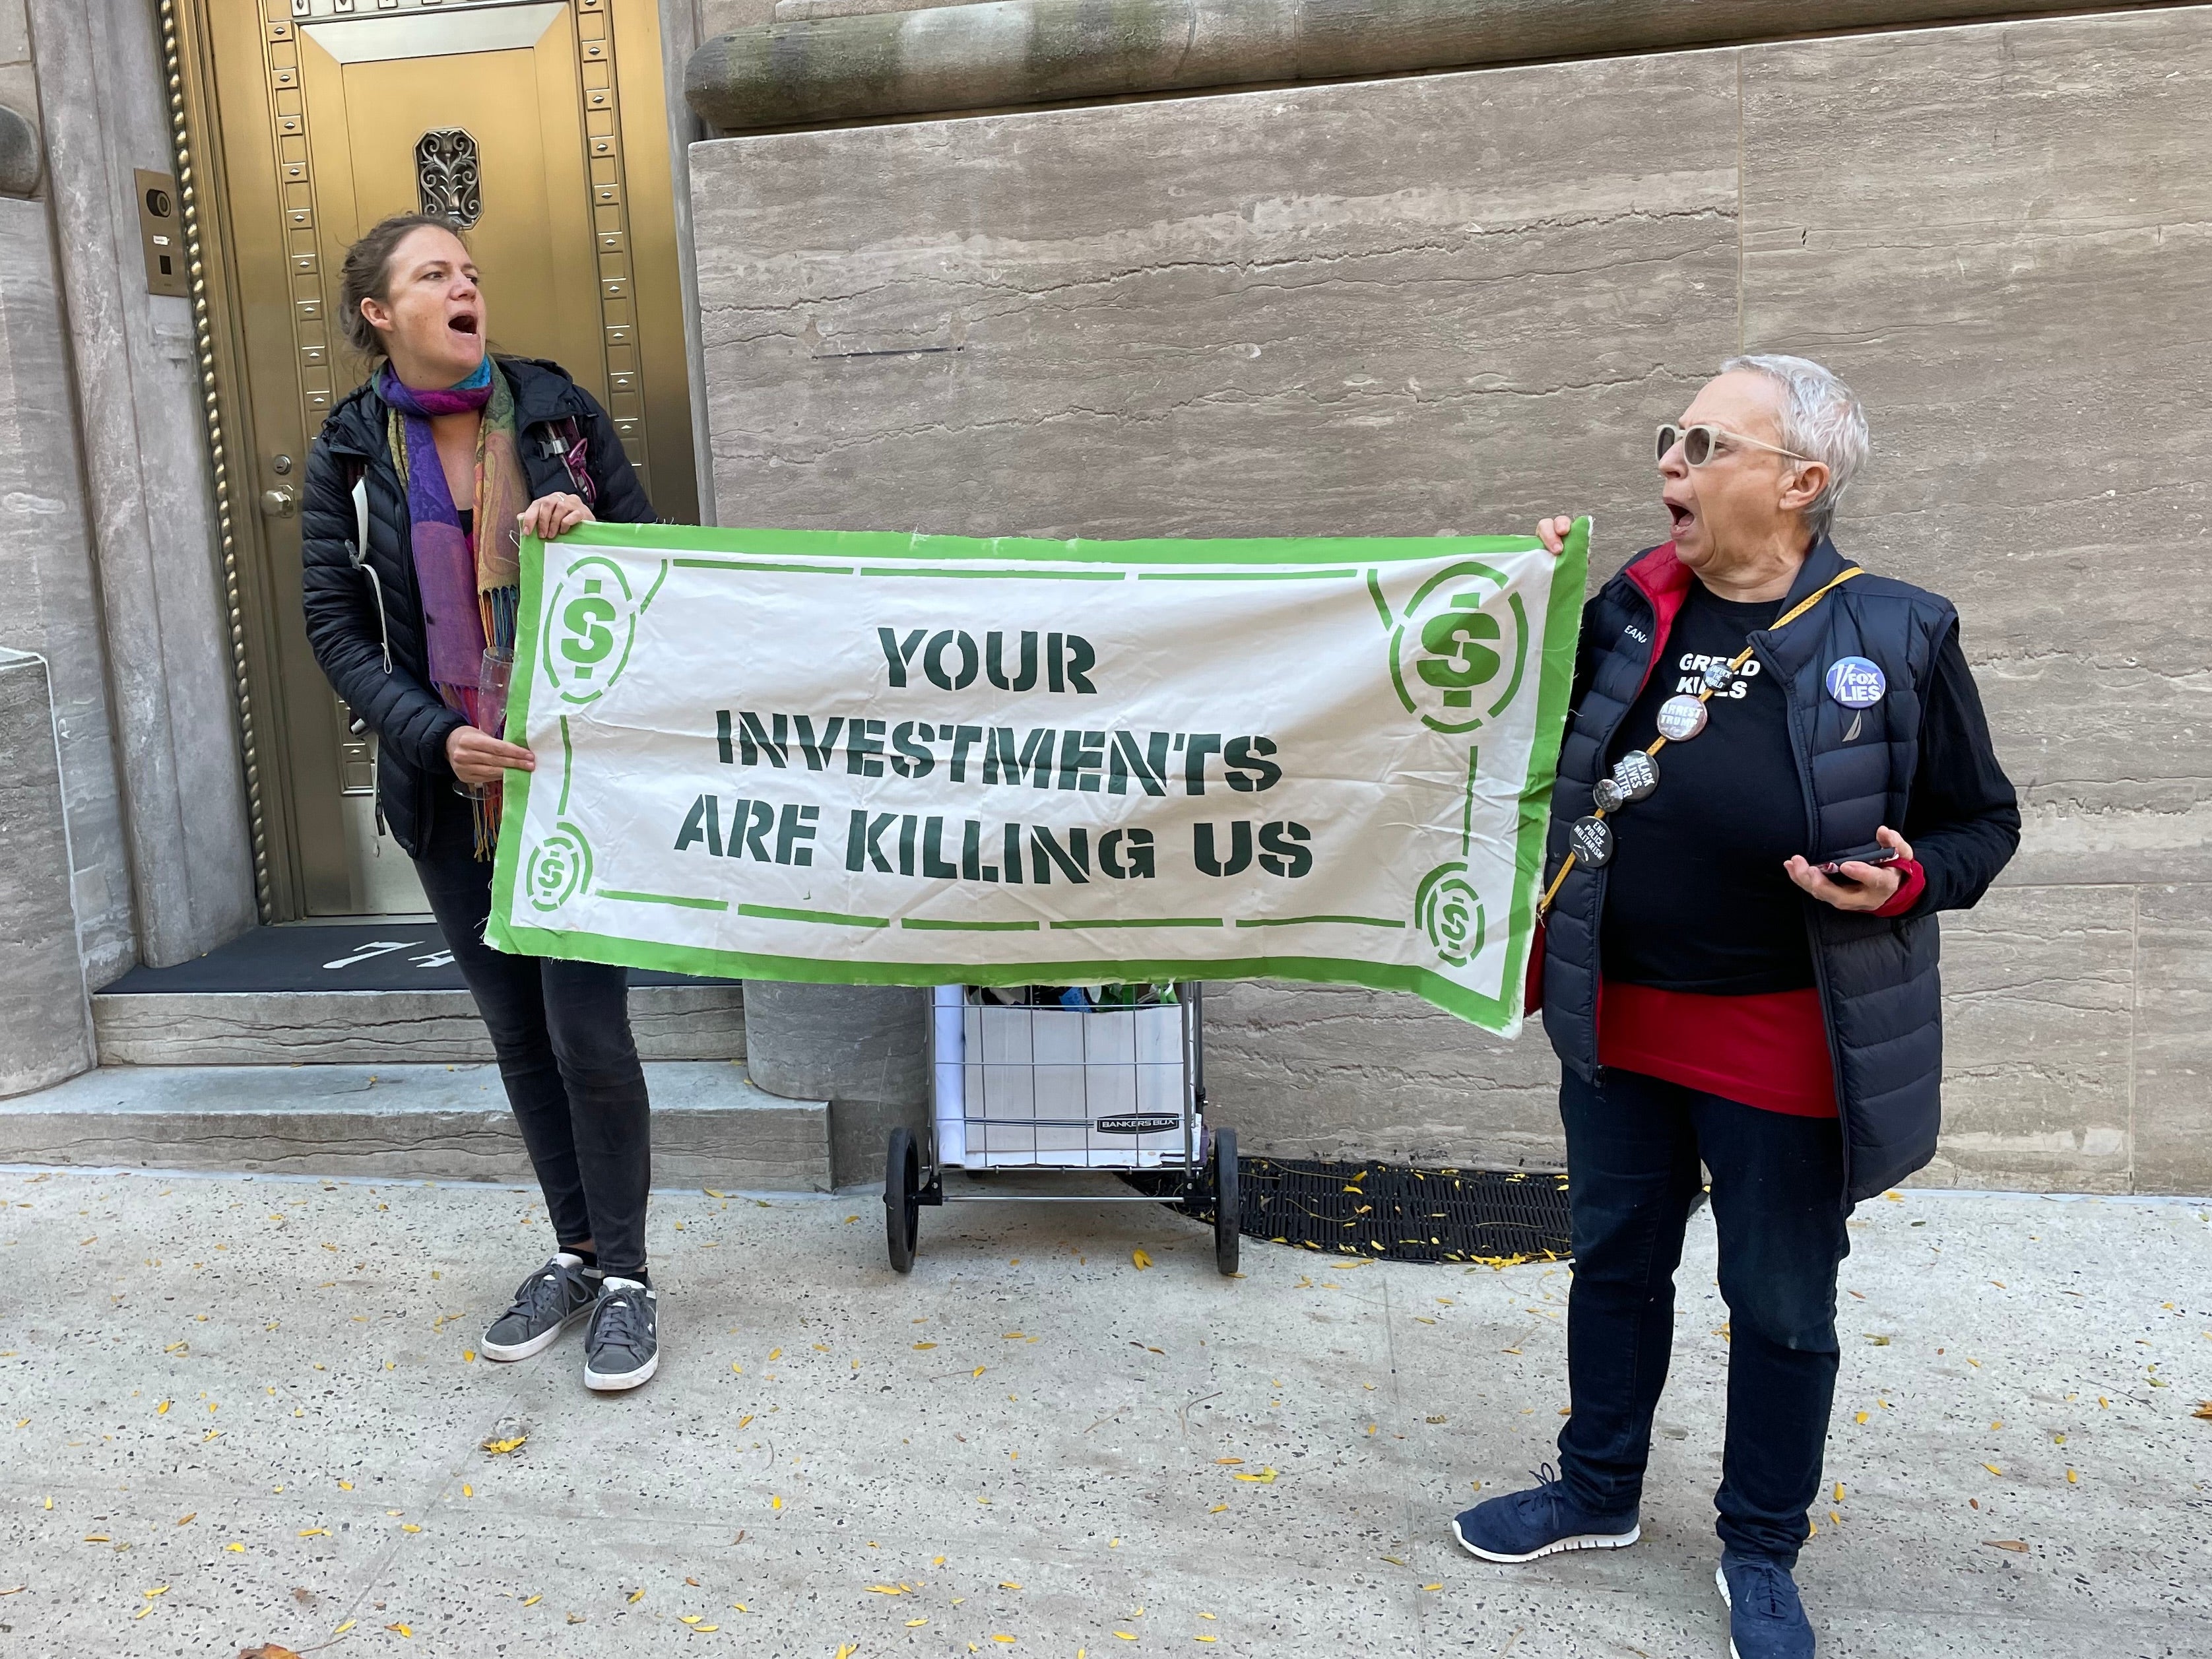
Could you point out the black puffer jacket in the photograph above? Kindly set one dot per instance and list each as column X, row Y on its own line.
column 1858, row 769
column 394, row 694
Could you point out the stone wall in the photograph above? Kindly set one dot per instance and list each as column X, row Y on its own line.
column 49, row 598
column 149, row 483
column 46, row 1016
column 1453, row 302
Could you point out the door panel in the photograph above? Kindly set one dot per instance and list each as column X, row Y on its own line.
column 516, row 117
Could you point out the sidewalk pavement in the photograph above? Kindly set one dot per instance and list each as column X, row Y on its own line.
column 235, row 1410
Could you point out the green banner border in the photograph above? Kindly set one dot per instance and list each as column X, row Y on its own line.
column 1555, row 685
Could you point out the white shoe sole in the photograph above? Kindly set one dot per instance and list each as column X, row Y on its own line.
column 601, row 1383
column 506, row 1354
column 1589, row 1540
column 1720, row 1579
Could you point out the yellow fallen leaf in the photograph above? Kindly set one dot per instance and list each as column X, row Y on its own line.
column 637, row 1595
column 1862, row 1417
column 2017, row 1545
column 689, row 1618
column 1126, row 1634
column 888, row 1589
column 235, row 1549
column 314, row 1532
column 345, row 1486
column 468, row 1356
column 143, row 1611
column 979, row 1370
column 1216, row 1509
column 346, row 1626
column 467, row 1490
column 1228, row 1460
column 1140, row 1259
column 1002, row 1638
column 409, row 1526
column 161, row 1410
column 535, row 1599
column 1425, row 1587
column 1265, row 1476
column 182, row 1520
column 776, row 1353
column 925, row 1345
column 2203, row 1410
column 1839, row 1491
column 915, row 1624
column 496, row 1448
column 706, row 1627
column 158, row 1590
column 847, row 1649
column 775, row 1503
column 747, row 1418
column 2072, row 1479
column 1993, row 1468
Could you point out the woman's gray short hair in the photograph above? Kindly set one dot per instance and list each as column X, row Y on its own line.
column 1821, row 420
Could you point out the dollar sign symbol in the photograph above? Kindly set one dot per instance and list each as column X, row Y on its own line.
column 586, row 637
column 1459, row 664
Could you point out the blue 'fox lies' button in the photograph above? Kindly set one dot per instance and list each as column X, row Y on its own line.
column 1856, row 683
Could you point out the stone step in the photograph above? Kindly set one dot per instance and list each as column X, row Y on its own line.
column 711, row 1126
column 380, row 1028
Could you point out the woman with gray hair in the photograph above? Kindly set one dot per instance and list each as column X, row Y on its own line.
column 1776, row 771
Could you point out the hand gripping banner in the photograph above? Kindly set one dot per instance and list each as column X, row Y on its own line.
column 884, row 759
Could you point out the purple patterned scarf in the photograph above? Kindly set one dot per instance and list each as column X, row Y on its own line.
column 470, row 584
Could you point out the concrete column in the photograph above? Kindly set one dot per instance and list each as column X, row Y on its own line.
column 861, row 1048
column 167, row 622
column 46, row 1016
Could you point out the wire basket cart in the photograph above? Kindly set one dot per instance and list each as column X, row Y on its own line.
column 1053, row 1080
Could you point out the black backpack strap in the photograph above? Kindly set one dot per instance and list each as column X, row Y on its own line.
column 565, row 442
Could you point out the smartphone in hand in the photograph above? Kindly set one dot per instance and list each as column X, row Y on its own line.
column 1833, row 869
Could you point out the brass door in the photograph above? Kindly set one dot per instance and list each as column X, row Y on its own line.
column 540, row 125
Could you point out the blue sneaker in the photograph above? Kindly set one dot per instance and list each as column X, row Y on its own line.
column 1766, row 1618
column 1521, row 1526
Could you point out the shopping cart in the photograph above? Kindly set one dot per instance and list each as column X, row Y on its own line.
column 1055, row 1079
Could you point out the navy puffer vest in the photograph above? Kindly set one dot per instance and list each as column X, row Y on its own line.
column 1877, row 975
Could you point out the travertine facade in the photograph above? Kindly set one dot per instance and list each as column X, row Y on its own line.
column 1456, row 301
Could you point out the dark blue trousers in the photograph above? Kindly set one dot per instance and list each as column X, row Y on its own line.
column 1634, row 1144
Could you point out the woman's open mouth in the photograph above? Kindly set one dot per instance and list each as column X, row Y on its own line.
column 1683, row 517
column 465, row 323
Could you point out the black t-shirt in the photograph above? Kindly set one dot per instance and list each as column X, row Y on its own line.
column 1695, row 898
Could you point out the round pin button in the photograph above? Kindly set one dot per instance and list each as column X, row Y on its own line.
column 1636, row 774
column 1681, row 717
column 1609, row 795
column 1718, row 674
column 1592, row 840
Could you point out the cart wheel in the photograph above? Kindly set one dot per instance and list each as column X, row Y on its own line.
column 1227, row 1202
column 901, row 1199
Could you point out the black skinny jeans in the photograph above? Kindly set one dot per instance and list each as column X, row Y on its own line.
column 561, row 1031
column 1633, row 1147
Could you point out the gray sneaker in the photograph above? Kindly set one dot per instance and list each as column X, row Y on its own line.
column 545, row 1304
column 622, row 1349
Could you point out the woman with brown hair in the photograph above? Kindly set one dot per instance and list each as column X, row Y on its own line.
column 418, row 489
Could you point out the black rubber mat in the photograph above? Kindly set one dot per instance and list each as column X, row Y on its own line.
column 1391, row 1212
column 374, row 956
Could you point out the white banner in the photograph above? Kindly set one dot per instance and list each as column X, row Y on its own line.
column 904, row 760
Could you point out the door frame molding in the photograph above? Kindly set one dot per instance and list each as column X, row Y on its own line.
column 187, row 66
